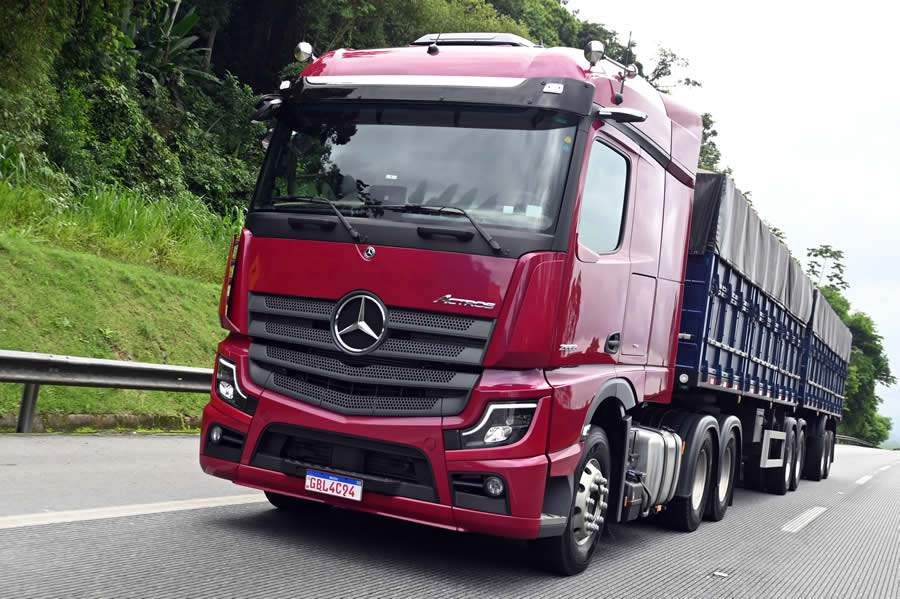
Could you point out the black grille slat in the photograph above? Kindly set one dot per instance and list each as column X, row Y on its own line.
column 427, row 365
column 364, row 371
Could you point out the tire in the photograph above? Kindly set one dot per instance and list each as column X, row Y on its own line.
column 829, row 454
column 571, row 552
column 816, row 452
column 799, row 458
column 685, row 513
column 778, row 480
column 722, row 481
column 286, row 502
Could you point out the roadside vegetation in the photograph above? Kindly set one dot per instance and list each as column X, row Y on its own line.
column 127, row 158
column 64, row 302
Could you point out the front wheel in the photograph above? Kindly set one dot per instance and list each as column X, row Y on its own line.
column 571, row 552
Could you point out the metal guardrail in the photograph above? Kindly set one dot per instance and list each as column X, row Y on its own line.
column 847, row 440
column 34, row 370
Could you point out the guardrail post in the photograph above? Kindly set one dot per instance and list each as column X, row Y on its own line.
column 27, row 407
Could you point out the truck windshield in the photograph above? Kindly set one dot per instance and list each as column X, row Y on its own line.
column 505, row 167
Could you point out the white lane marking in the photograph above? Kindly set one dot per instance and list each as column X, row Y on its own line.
column 119, row 511
column 883, row 468
column 803, row 519
column 863, row 479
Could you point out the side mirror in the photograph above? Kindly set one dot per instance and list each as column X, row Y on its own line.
column 266, row 139
column 594, row 52
column 304, row 52
column 620, row 115
column 266, row 108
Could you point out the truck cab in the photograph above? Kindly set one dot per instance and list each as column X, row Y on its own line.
column 457, row 296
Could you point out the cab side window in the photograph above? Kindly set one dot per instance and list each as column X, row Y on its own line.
column 603, row 199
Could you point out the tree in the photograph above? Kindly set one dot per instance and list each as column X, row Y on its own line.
column 826, row 264
column 667, row 63
column 709, row 151
column 869, row 365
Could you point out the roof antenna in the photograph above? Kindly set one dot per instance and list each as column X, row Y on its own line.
column 433, row 47
column 630, row 72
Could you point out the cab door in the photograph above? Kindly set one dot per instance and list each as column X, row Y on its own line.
column 598, row 291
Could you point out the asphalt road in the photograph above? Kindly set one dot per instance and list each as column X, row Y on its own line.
column 134, row 516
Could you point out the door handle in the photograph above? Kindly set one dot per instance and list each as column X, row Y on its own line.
column 613, row 342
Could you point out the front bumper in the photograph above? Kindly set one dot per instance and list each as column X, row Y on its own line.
column 523, row 466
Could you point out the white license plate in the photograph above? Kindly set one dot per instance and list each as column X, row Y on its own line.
column 332, row 484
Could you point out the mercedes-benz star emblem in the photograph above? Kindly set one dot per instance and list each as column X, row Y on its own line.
column 358, row 323
column 369, row 253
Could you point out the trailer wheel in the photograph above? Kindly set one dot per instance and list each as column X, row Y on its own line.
column 723, row 481
column 827, row 454
column 571, row 552
column 799, row 458
column 816, row 452
column 778, row 480
column 685, row 513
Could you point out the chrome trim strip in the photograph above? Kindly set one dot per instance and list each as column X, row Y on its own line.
column 497, row 406
column 423, row 80
column 233, row 367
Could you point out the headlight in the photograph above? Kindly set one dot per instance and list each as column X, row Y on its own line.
column 501, row 424
column 228, row 390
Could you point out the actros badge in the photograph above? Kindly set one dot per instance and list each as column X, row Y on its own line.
column 458, row 301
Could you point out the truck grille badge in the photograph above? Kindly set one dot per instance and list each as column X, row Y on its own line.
column 456, row 301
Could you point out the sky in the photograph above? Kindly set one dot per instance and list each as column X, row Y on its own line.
column 808, row 118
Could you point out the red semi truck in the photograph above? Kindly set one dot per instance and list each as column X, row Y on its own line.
column 469, row 293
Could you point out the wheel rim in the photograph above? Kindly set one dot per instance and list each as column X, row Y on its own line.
column 701, row 471
column 725, row 474
column 590, row 503
column 824, row 456
column 788, row 466
column 797, row 464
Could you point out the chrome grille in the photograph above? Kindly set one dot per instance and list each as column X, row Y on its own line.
column 427, row 365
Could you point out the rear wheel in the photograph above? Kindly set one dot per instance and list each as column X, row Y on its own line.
column 721, row 492
column 778, row 480
column 570, row 552
column 816, row 452
column 800, row 457
column 828, row 454
column 685, row 513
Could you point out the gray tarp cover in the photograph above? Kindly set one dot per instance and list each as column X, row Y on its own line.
column 724, row 222
column 828, row 327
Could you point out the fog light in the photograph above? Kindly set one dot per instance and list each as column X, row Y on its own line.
column 226, row 390
column 683, row 378
column 215, row 434
column 493, row 486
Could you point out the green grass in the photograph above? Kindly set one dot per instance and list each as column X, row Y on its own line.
column 180, row 236
column 65, row 302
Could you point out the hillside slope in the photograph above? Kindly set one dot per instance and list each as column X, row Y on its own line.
column 64, row 302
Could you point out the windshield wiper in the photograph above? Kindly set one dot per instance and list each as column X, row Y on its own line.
column 437, row 210
column 325, row 202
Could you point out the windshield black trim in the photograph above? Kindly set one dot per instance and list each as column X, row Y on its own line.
column 393, row 233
